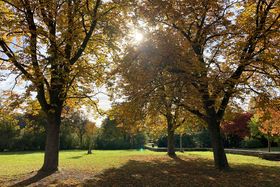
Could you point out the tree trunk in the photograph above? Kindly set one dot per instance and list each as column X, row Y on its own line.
column 268, row 144
column 52, row 145
column 90, row 147
column 170, row 139
column 220, row 158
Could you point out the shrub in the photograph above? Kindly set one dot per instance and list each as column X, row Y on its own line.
column 8, row 133
column 187, row 141
column 202, row 139
column 113, row 137
column 251, row 143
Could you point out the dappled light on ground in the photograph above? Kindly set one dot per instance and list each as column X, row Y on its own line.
column 184, row 172
column 135, row 168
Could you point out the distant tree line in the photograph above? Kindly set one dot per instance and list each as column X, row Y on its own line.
column 26, row 132
column 241, row 130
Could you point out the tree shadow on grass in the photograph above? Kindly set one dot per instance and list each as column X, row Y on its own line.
column 78, row 157
column 37, row 177
column 181, row 172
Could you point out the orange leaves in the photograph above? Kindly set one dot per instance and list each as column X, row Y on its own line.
column 270, row 121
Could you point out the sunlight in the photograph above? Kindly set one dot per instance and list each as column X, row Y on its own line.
column 137, row 36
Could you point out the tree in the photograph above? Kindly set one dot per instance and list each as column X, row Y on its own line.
column 9, row 130
column 237, row 129
column 59, row 47
column 266, row 122
column 229, row 42
column 149, row 87
column 91, row 132
column 113, row 136
column 78, row 122
column 191, row 125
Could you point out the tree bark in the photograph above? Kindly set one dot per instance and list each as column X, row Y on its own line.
column 51, row 156
column 170, row 139
column 220, row 158
column 90, row 146
column 89, row 149
column 268, row 144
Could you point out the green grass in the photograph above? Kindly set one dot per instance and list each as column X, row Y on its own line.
column 143, row 167
column 18, row 163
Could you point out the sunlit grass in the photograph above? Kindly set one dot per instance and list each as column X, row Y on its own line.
column 235, row 159
column 16, row 164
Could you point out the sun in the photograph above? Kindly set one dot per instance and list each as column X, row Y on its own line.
column 137, row 36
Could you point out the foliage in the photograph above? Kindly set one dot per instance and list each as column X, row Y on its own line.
column 202, row 138
column 77, row 122
column 230, row 47
column 265, row 122
column 187, row 141
column 91, row 135
column 236, row 129
column 251, row 143
column 9, row 130
column 269, row 120
column 69, row 139
column 60, row 49
column 238, row 126
column 113, row 137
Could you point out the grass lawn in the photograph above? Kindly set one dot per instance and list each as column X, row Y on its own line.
column 138, row 168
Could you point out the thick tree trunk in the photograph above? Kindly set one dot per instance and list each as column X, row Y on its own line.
column 170, row 140
column 52, row 145
column 220, row 158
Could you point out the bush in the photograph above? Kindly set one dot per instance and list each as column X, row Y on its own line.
column 8, row 133
column 202, row 139
column 30, row 141
column 68, row 139
column 251, row 143
column 187, row 141
column 113, row 137
column 232, row 141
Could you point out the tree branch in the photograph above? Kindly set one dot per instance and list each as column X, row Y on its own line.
column 9, row 53
column 88, row 35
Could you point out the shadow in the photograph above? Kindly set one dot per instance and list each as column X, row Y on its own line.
column 37, row 177
column 77, row 157
column 180, row 171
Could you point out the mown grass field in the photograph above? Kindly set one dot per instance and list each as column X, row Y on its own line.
column 138, row 168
